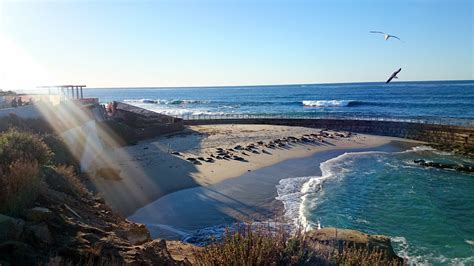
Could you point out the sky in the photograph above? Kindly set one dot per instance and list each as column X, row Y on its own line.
column 229, row 42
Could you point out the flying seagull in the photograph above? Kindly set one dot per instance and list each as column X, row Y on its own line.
column 394, row 75
column 386, row 35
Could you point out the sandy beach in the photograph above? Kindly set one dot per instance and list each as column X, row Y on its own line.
column 151, row 169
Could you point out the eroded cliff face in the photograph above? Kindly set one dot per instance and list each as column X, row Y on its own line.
column 65, row 228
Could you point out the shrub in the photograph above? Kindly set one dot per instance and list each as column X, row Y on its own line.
column 16, row 145
column 19, row 186
column 267, row 246
column 34, row 125
column 255, row 246
column 72, row 184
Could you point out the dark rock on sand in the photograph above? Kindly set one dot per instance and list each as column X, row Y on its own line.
column 238, row 158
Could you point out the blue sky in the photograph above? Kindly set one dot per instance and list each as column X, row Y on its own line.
column 199, row 43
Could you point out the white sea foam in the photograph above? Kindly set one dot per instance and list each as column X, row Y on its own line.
column 406, row 251
column 328, row 103
column 293, row 192
column 165, row 102
column 170, row 110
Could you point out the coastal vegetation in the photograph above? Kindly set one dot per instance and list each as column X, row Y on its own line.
column 264, row 245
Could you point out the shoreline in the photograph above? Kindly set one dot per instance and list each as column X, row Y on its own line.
column 250, row 197
column 148, row 171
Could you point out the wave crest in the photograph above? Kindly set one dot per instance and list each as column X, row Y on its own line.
column 166, row 102
column 329, row 103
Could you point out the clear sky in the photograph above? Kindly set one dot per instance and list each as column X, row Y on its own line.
column 223, row 42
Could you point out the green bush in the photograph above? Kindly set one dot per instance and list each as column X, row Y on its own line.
column 16, row 146
column 19, row 186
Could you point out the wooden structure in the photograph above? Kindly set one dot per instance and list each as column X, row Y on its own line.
column 68, row 91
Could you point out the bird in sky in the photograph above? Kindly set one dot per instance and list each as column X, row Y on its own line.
column 386, row 35
column 394, row 75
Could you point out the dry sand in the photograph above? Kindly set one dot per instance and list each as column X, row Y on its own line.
column 148, row 170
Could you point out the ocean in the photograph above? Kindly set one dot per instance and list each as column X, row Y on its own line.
column 428, row 213
column 447, row 100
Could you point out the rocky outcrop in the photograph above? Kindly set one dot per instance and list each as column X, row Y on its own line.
column 330, row 238
column 68, row 229
column 446, row 166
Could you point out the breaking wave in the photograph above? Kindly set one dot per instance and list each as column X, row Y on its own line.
column 166, row 102
column 329, row 103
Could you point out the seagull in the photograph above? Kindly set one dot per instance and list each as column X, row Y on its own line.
column 386, row 35
column 394, row 75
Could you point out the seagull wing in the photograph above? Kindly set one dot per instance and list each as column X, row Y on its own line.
column 377, row 32
column 392, row 36
column 394, row 74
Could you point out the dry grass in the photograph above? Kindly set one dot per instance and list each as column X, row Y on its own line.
column 19, row 186
column 73, row 182
column 267, row 246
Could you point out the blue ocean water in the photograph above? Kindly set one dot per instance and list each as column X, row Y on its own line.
column 425, row 100
column 427, row 212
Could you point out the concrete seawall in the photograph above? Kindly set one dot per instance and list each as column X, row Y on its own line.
column 454, row 137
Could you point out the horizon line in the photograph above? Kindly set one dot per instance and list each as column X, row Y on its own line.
column 268, row 85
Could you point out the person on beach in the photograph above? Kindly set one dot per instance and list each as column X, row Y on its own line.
column 14, row 103
column 20, row 102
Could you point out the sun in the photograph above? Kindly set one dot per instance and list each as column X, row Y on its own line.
column 18, row 70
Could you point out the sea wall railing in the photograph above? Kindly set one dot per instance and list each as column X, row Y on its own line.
column 429, row 121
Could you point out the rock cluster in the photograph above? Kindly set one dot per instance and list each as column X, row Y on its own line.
column 446, row 166
column 67, row 229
